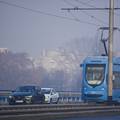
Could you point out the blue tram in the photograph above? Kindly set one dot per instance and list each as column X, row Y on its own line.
column 95, row 79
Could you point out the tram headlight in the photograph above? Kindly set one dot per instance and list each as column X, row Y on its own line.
column 85, row 88
column 102, row 88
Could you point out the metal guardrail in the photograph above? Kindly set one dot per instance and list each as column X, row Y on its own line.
column 53, row 111
column 4, row 96
column 68, row 96
column 65, row 96
column 3, row 100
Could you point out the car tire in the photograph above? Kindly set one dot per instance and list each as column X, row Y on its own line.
column 43, row 99
column 31, row 101
column 11, row 103
column 57, row 101
column 50, row 101
column 28, row 102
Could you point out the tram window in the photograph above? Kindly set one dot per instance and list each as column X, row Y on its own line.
column 116, row 81
column 95, row 73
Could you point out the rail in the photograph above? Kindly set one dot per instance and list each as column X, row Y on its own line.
column 39, row 112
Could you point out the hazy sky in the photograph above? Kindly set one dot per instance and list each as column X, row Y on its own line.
column 33, row 25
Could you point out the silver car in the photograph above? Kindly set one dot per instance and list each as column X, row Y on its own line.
column 51, row 96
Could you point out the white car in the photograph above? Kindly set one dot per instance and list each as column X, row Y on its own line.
column 51, row 96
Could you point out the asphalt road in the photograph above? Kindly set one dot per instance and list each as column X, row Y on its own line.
column 117, row 117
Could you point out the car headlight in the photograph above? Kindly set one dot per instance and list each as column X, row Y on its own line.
column 47, row 98
column 28, row 97
column 10, row 96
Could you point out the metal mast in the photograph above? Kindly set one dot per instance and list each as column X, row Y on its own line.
column 110, row 49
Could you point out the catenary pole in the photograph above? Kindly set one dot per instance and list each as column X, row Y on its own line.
column 110, row 49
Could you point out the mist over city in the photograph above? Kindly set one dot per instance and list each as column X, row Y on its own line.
column 59, row 59
column 42, row 44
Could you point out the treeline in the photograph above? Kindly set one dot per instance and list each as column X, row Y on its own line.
column 18, row 69
column 15, row 69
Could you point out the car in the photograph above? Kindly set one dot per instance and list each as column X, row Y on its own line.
column 51, row 96
column 26, row 94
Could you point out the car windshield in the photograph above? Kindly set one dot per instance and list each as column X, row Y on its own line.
column 45, row 91
column 95, row 73
column 25, row 89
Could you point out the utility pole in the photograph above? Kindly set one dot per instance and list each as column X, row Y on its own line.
column 110, row 41
column 110, row 50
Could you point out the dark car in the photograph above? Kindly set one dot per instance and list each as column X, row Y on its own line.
column 26, row 94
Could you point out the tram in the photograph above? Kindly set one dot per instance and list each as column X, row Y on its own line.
column 95, row 79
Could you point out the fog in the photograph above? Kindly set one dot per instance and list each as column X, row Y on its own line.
column 45, row 45
column 32, row 26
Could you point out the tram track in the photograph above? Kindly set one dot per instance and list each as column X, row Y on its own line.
column 38, row 112
column 36, row 106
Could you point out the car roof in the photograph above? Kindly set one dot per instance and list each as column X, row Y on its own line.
column 46, row 88
column 30, row 86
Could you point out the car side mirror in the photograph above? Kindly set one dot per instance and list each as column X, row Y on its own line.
column 13, row 91
column 51, row 93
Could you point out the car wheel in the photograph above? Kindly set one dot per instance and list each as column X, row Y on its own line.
column 43, row 99
column 57, row 101
column 50, row 100
column 11, row 103
column 30, row 101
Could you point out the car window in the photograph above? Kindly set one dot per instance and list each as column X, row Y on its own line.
column 45, row 91
column 38, row 88
column 53, row 91
column 25, row 89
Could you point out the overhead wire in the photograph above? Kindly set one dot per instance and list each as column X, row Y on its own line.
column 90, row 0
column 87, row 4
column 117, row 3
column 46, row 13
column 92, row 16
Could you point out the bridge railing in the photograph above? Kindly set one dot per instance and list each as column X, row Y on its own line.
column 64, row 96
column 69, row 96
column 4, row 96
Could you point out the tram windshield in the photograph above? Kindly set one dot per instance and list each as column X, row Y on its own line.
column 95, row 73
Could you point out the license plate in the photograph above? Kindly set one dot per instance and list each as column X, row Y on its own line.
column 19, row 101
